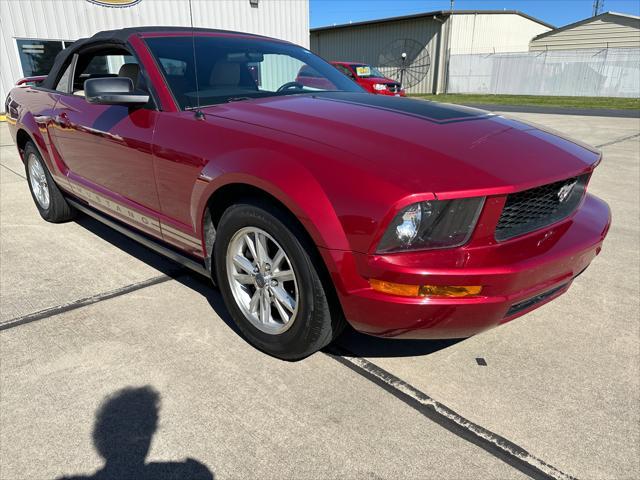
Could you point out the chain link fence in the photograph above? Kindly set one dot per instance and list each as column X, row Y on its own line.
column 608, row 72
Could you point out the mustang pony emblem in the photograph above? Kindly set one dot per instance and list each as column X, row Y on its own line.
column 114, row 3
column 565, row 191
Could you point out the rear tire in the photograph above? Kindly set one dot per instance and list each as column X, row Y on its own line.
column 278, row 278
column 48, row 198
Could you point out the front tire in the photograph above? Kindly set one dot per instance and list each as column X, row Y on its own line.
column 48, row 198
column 269, row 283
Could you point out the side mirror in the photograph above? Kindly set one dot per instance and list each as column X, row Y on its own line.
column 113, row 91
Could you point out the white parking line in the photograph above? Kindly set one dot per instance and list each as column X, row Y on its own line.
column 500, row 447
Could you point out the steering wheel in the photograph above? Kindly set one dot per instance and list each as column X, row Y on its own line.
column 290, row 86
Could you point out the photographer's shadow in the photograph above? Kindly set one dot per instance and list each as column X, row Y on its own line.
column 124, row 428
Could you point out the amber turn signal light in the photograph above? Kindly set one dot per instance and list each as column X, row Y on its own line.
column 404, row 290
column 395, row 288
column 449, row 291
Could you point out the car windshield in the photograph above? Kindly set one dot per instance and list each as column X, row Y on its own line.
column 365, row 71
column 234, row 68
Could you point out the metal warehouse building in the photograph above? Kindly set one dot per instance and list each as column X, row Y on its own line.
column 439, row 35
column 32, row 32
column 607, row 30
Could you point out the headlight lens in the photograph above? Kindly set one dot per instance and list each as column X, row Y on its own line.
column 379, row 86
column 432, row 224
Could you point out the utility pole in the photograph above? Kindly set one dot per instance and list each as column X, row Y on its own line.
column 598, row 6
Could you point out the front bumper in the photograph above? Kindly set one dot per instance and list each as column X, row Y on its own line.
column 401, row 93
column 517, row 276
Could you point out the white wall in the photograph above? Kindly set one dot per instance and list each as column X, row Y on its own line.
column 608, row 30
column 488, row 33
column 73, row 19
column 609, row 72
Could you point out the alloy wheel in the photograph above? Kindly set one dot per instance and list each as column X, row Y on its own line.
column 38, row 180
column 262, row 280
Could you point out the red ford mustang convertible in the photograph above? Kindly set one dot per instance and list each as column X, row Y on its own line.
column 308, row 205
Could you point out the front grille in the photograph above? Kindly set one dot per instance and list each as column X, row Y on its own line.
column 530, row 302
column 393, row 87
column 538, row 207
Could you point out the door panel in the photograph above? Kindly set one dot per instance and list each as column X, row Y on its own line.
column 109, row 146
column 179, row 160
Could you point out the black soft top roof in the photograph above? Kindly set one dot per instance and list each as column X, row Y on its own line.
column 118, row 37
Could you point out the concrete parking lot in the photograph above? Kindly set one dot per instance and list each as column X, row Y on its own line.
column 96, row 333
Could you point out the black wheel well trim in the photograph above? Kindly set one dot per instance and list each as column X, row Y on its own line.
column 22, row 138
column 235, row 193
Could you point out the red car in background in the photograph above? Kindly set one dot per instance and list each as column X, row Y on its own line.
column 370, row 78
column 306, row 199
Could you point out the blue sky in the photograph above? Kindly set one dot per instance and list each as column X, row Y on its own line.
column 556, row 12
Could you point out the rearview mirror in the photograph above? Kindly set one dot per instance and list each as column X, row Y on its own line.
column 241, row 57
column 113, row 91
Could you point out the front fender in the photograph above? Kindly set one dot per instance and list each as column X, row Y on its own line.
column 282, row 177
column 28, row 124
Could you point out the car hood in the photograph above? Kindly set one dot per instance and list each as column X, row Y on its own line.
column 422, row 146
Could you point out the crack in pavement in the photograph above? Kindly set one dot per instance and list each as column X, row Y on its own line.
column 83, row 302
column 621, row 139
column 13, row 171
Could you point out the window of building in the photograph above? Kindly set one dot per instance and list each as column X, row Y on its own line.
column 37, row 56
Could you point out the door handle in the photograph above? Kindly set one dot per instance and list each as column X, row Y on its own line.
column 63, row 120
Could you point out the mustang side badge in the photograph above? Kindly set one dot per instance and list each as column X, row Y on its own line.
column 115, row 3
column 565, row 191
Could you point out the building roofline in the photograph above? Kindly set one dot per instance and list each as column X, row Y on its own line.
column 620, row 14
column 582, row 22
column 435, row 13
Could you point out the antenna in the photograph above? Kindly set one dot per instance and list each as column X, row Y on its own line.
column 598, row 6
column 198, row 113
column 406, row 61
column 452, row 2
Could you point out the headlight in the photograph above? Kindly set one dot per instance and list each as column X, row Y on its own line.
column 379, row 86
column 433, row 224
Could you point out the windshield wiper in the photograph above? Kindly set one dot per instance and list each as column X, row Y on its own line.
column 237, row 99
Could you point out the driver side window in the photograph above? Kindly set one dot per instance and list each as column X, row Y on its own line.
column 111, row 63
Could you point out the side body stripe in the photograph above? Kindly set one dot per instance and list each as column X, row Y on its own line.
column 135, row 218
